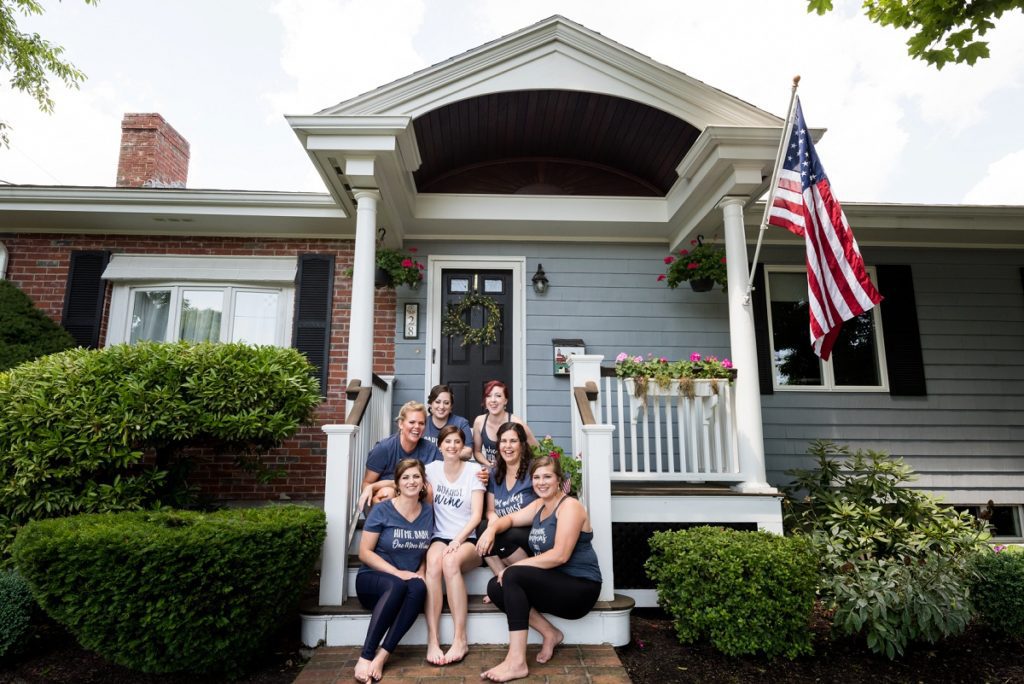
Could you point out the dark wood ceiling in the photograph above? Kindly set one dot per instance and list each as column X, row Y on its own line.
column 551, row 142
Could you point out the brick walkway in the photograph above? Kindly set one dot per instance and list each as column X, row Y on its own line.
column 590, row 664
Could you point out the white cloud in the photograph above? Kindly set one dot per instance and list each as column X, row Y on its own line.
column 1001, row 184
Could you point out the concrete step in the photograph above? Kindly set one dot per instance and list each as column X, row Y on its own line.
column 346, row 625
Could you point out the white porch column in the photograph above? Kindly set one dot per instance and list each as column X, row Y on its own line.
column 334, row 560
column 360, row 335
column 749, row 433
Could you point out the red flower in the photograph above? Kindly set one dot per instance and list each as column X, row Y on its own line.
column 661, row 277
column 723, row 260
column 419, row 266
column 669, row 259
column 406, row 263
column 693, row 266
column 555, row 455
column 412, row 249
column 684, row 252
column 693, row 242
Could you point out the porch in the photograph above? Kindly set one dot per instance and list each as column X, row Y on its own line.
column 663, row 460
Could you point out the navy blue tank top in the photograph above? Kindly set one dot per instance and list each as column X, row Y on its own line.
column 583, row 561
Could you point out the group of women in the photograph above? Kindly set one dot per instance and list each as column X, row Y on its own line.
column 446, row 495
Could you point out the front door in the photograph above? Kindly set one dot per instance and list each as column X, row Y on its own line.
column 466, row 369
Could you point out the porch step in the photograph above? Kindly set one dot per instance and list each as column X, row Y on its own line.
column 346, row 625
column 476, row 579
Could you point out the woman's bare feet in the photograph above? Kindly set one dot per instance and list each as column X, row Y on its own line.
column 362, row 673
column 487, row 599
column 456, row 653
column 506, row 671
column 435, row 656
column 551, row 642
column 377, row 665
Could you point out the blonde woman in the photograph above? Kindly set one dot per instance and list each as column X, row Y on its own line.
column 408, row 442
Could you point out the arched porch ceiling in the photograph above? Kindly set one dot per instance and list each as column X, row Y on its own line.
column 550, row 142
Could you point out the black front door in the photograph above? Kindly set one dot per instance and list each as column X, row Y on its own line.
column 467, row 368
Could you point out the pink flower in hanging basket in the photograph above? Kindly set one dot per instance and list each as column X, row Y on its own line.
column 406, row 263
column 693, row 266
column 669, row 259
column 661, row 277
column 695, row 357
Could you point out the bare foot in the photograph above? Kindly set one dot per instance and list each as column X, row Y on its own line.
column 506, row 672
column 487, row 599
column 362, row 673
column 547, row 649
column 377, row 665
column 435, row 656
column 456, row 653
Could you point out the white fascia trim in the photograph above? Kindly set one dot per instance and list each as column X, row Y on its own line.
column 188, row 268
column 546, row 208
column 201, row 202
column 555, row 30
column 3, row 261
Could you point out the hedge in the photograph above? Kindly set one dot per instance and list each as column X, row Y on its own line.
column 25, row 331
column 998, row 591
column 172, row 591
column 74, row 426
column 15, row 613
column 747, row 592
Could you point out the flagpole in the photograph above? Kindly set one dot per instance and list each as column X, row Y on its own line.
column 787, row 129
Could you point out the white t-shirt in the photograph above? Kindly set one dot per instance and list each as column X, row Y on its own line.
column 453, row 501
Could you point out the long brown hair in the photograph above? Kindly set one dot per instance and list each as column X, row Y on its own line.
column 500, row 469
column 404, row 465
column 447, row 430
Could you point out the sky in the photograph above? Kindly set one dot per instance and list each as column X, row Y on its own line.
column 224, row 73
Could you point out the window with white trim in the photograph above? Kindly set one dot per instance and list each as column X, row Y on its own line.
column 857, row 362
column 201, row 305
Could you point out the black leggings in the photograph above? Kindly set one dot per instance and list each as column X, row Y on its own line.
column 549, row 591
column 396, row 603
column 508, row 542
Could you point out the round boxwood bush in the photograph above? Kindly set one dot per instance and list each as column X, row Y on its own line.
column 74, row 426
column 172, row 591
column 998, row 591
column 15, row 613
column 747, row 592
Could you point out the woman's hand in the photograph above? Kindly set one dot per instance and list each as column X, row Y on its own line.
column 485, row 542
column 407, row 575
column 365, row 497
column 501, row 575
column 452, row 547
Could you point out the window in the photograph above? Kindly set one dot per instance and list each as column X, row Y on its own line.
column 858, row 358
column 206, row 314
column 1005, row 521
column 167, row 299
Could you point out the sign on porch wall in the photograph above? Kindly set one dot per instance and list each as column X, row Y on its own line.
column 562, row 350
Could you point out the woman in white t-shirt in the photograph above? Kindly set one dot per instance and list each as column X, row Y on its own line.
column 458, row 506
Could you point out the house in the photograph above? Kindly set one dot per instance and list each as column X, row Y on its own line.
column 557, row 146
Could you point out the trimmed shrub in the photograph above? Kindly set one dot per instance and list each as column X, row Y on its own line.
column 172, row 591
column 25, row 331
column 15, row 613
column 74, row 426
column 895, row 564
column 998, row 591
column 747, row 592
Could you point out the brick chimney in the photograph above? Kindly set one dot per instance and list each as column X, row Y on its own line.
column 153, row 154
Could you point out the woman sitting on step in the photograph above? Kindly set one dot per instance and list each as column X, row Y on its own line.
column 562, row 576
column 391, row 583
column 495, row 400
column 458, row 507
column 508, row 490
column 408, row 442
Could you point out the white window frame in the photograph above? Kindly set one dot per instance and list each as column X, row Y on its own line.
column 827, row 374
column 128, row 273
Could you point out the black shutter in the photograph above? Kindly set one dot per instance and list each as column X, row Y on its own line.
column 314, row 294
column 83, row 297
column 902, row 335
column 759, row 300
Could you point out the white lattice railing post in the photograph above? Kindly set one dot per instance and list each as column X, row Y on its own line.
column 583, row 368
column 597, row 469
column 333, row 563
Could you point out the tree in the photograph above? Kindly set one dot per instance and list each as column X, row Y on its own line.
column 946, row 29
column 25, row 331
column 31, row 59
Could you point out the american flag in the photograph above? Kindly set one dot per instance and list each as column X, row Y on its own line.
column 838, row 286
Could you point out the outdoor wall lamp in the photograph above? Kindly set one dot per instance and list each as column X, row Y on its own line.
column 540, row 281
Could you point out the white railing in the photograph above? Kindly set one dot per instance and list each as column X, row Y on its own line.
column 368, row 421
column 683, row 433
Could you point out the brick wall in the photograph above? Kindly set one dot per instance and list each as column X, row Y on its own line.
column 38, row 264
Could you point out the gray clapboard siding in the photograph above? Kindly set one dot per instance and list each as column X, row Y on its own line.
column 965, row 438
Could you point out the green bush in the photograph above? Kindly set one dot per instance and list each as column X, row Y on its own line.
column 998, row 591
column 75, row 426
column 895, row 564
column 172, row 591
column 25, row 331
column 15, row 613
column 747, row 592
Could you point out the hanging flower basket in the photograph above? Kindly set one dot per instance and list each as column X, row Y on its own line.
column 702, row 266
column 454, row 323
column 382, row 278
column 702, row 284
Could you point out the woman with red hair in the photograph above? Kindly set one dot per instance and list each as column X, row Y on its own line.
column 485, row 428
